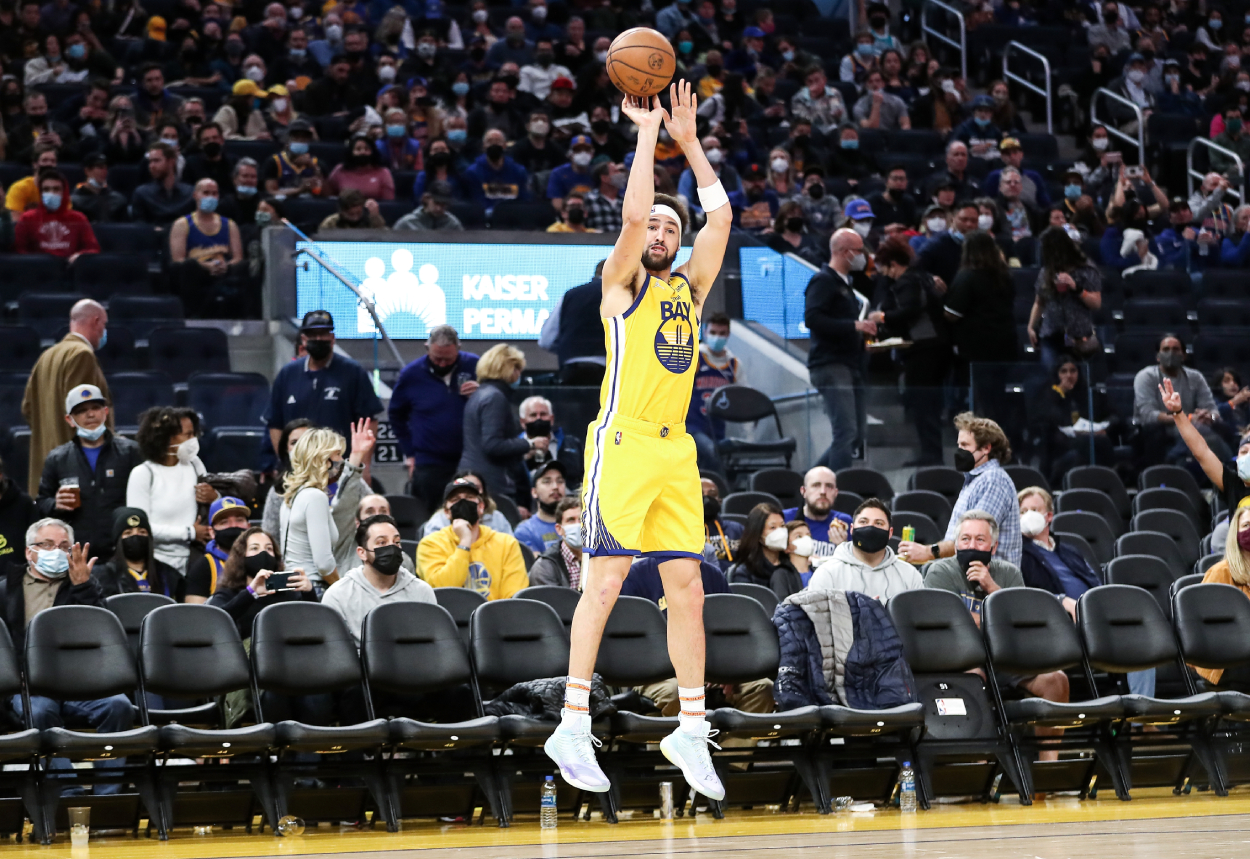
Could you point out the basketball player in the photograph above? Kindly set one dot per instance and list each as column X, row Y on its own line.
column 642, row 494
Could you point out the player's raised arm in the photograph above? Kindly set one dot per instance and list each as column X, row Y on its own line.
column 709, row 246
column 621, row 267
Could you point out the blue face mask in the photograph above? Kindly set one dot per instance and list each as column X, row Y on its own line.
column 91, row 434
column 52, row 563
column 788, row 56
column 516, row 384
column 208, row 205
column 298, row 147
column 245, row 190
column 457, row 135
column 1215, row 23
column 76, row 52
column 52, row 201
column 298, row 53
column 104, row 338
column 981, row 123
column 717, row 343
column 395, row 130
column 460, row 88
column 850, row 144
column 863, row 50
column 1072, row 192
column 685, row 47
column 956, row 235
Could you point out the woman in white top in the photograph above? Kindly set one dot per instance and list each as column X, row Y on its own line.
column 307, row 526
column 167, row 485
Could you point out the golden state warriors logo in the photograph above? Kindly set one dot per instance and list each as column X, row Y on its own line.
column 674, row 339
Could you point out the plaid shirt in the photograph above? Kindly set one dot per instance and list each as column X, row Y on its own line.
column 572, row 560
column 988, row 487
column 603, row 214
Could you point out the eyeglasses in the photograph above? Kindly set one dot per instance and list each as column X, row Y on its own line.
column 48, row 546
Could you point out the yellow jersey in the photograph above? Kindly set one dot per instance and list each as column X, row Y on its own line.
column 651, row 352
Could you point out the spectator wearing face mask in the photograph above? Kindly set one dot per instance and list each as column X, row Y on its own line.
column 84, row 480
column 210, row 162
column 858, row 216
column 574, row 177
column 133, row 568
column 865, row 562
column 362, row 171
column 493, row 441
column 978, row 132
column 538, row 152
column 721, row 537
column 762, row 558
column 242, row 116
column 1166, row 388
column 468, row 554
column 227, row 520
column 494, row 176
column 203, row 248
column 756, row 205
column 549, row 489
column 560, row 565
column 894, row 205
column 242, row 591
column 878, row 109
column 572, row 216
column 821, row 209
column 53, row 227
column 309, row 532
column 941, row 256
column 1047, row 562
column 789, row 234
column 537, row 77
column 716, row 157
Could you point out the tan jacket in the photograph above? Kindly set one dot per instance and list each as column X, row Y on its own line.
column 1219, row 574
column 70, row 362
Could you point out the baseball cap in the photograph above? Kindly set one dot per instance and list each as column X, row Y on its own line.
column 440, row 191
column 246, row 86
column 459, row 487
column 299, row 125
column 1009, row 143
column 754, row 171
column 83, row 394
column 581, row 140
column 858, row 210
column 228, row 504
column 1178, row 204
column 983, row 102
column 550, row 465
column 753, row 33
column 96, row 159
column 562, row 83
column 1135, row 58
column 317, row 320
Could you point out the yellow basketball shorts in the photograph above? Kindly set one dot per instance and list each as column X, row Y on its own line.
column 642, row 494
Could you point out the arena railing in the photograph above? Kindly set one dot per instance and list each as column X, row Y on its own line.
column 941, row 35
column 1191, row 174
column 1044, row 92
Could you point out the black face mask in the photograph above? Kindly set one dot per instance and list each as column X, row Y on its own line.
column 225, row 537
column 794, row 225
column 212, row 149
column 538, row 429
column 262, row 561
column 965, row 460
column 439, row 160
column 714, row 69
column 443, row 370
column 548, row 507
column 494, row 152
column 816, row 192
column 318, row 350
column 869, row 538
column 800, row 140
column 387, row 560
column 967, row 556
column 711, row 508
column 577, row 215
column 135, row 548
column 600, row 126
column 478, row 54
column 466, row 509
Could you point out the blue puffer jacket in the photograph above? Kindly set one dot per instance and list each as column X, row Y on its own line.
column 876, row 674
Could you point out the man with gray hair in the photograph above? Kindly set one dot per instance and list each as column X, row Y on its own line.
column 57, row 572
column 538, row 420
column 66, row 365
column 427, row 412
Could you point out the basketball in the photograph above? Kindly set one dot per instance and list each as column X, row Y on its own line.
column 641, row 62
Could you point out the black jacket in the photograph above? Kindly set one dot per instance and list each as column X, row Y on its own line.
column 17, row 511
column 13, row 600
column 913, row 310
column 113, row 579
column 940, row 258
column 830, row 312
column 783, row 579
column 103, row 490
column 105, row 206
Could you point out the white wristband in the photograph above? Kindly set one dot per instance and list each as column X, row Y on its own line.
column 713, row 197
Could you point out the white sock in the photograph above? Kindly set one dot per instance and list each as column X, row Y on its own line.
column 576, row 713
column 693, row 709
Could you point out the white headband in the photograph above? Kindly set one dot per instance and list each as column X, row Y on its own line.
column 666, row 211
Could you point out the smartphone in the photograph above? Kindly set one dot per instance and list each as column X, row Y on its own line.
column 278, row 582
column 1114, row 157
column 1133, row 172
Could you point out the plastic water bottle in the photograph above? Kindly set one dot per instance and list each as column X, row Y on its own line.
column 907, row 789
column 548, row 815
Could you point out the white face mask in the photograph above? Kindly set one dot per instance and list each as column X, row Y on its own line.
column 480, row 16
column 936, row 225
column 1032, row 523
column 601, row 56
column 581, row 159
column 254, row 73
column 279, row 105
column 386, row 74
column 188, row 450
column 334, row 33
column 715, row 156
column 859, row 262
column 1100, row 143
column 984, row 222
column 803, row 547
column 1243, row 468
column 573, row 536
column 862, row 227
column 777, row 539
column 780, row 165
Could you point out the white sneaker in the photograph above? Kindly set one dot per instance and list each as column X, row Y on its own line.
column 687, row 751
column 574, row 754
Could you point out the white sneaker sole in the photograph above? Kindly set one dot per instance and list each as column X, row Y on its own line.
column 676, row 761
column 564, row 774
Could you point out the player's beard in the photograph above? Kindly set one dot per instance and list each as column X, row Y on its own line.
column 655, row 262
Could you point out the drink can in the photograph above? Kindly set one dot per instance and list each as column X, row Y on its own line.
column 909, row 533
column 666, row 800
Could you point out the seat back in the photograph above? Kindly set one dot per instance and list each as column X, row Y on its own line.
column 1090, row 526
column 412, row 648
column 763, row 595
column 634, row 648
column 409, row 515
column 937, row 631
column 303, row 648
column 1092, row 501
column 512, row 641
column 100, row 275
column 740, row 638
column 1170, row 498
column 191, row 651
column 1177, row 525
column 1184, row 582
column 926, row 501
column 1172, row 477
column 1104, row 479
column 941, row 479
column 1206, row 562
column 10, row 668
column 183, row 351
column 19, row 348
column 460, row 603
column 563, row 600
column 134, row 393
column 131, row 609
column 1082, row 545
column 865, row 482
column 1212, row 623
column 1154, row 543
column 78, row 653
column 1124, row 629
column 229, row 399
column 1027, row 631
column 782, row 483
column 744, row 502
column 739, row 404
column 1024, row 476
column 1151, row 574
column 927, row 531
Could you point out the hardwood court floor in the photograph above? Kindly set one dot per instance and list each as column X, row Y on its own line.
column 1155, row 825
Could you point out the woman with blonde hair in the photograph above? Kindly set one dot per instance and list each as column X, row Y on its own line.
column 308, row 532
column 493, row 443
column 1233, row 569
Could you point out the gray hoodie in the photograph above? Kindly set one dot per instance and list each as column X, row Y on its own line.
column 352, row 597
column 845, row 572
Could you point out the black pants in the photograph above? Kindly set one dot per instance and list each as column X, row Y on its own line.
column 205, row 296
column 925, row 372
column 429, row 481
column 582, row 373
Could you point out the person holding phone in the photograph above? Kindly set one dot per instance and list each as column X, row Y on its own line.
column 254, row 577
column 308, row 529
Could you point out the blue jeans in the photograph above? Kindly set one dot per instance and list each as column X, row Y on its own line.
column 105, row 715
column 838, row 385
column 709, row 457
column 1142, row 682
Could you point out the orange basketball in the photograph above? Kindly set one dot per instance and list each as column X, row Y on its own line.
column 641, row 62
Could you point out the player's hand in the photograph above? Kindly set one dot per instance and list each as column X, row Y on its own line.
column 644, row 113
column 683, row 124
